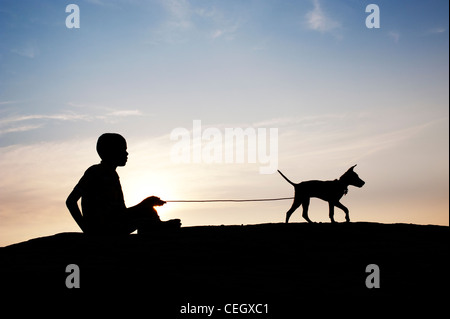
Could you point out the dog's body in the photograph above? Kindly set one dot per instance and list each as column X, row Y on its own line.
column 329, row 191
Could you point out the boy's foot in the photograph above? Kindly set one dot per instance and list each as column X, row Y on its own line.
column 172, row 224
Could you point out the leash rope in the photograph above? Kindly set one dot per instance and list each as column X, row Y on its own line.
column 226, row 200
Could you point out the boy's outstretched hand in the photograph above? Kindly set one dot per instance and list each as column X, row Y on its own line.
column 153, row 201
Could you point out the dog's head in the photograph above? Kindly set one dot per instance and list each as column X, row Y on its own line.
column 153, row 201
column 351, row 178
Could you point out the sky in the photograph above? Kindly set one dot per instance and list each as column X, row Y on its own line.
column 336, row 92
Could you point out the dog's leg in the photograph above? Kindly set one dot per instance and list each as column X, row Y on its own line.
column 345, row 209
column 331, row 205
column 305, row 204
column 296, row 204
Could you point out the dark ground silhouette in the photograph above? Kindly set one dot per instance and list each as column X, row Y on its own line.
column 287, row 266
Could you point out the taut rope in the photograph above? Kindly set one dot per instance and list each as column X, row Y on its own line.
column 226, row 200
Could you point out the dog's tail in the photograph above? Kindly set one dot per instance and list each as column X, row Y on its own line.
column 286, row 178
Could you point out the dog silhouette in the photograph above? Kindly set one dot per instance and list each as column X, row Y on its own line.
column 329, row 191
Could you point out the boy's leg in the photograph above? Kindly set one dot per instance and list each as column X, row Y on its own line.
column 142, row 216
column 145, row 219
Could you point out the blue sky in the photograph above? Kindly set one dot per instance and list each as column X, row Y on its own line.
column 339, row 93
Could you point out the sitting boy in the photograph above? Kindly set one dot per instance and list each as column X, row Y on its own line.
column 102, row 203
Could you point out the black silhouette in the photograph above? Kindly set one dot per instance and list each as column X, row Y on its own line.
column 102, row 202
column 330, row 191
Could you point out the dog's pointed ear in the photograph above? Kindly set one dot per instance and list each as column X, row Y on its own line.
column 351, row 168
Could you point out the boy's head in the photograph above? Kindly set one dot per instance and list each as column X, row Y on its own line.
column 112, row 148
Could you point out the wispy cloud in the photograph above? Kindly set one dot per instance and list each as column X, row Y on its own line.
column 62, row 117
column 110, row 3
column 126, row 113
column 8, row 102
column 304, row 120
column 179, row 13
column 437, row 30
column 394, row 35
column 227, row 32
column 21, row 123
column 29, row 50
column 185, row 20
column 21, row 128
column 343, row 136
column 222, row 24
column 108, row 111
column 176, row 24
column 96, row 2
column 318, row 20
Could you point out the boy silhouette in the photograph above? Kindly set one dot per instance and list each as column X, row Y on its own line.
column 102, row 203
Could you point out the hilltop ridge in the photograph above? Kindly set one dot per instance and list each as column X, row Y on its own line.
column 253, row 262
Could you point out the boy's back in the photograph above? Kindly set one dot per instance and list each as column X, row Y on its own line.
column 101, row 194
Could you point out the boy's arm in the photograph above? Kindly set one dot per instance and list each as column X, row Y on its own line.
column 74, row 210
